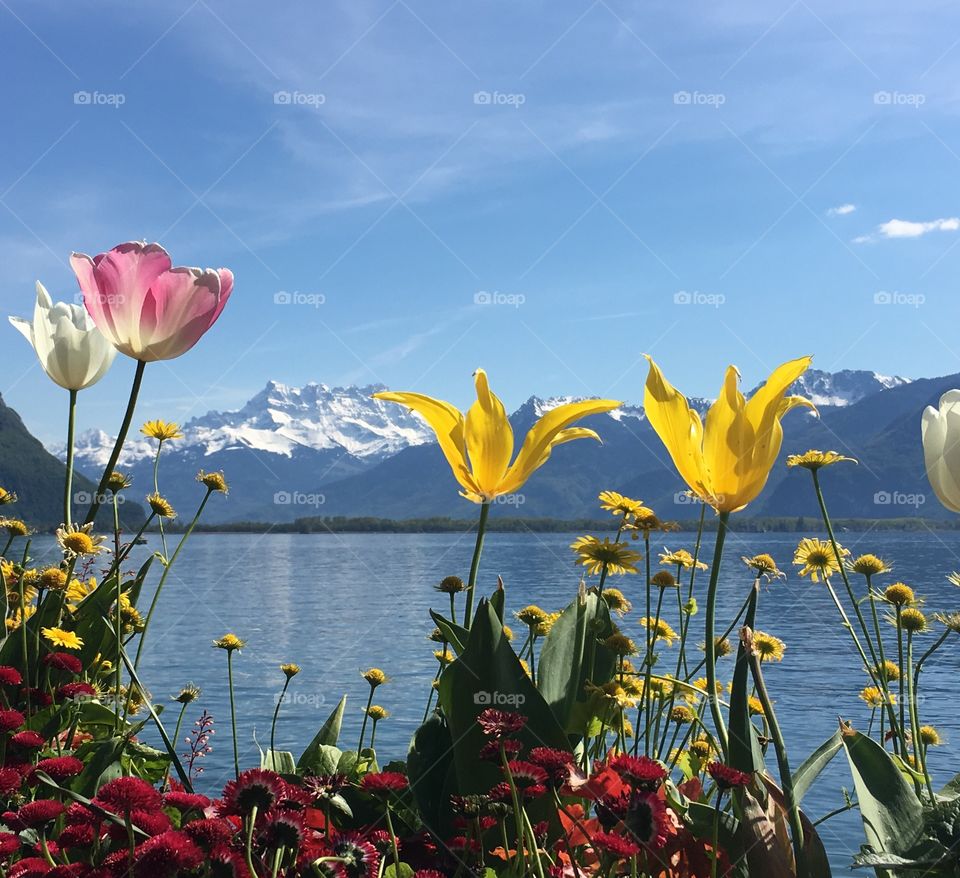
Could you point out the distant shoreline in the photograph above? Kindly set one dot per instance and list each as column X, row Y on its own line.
column 758, row 524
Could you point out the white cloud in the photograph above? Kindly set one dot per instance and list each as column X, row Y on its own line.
column 897, row 228
column 842, row 210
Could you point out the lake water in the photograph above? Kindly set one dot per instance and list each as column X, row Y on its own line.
column 336, row 604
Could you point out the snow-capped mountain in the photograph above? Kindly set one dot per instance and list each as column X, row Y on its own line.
column 291, row 441
column 843, row 388
column 281, row 420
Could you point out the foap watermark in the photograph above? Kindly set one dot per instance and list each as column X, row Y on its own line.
column 688, row 498
column 313, row 700
column 895, row 297
column 695, row 297
column 510, row 500
column 298, row 498
column 495, row 297
column 99, row 99
column 699, row 99
column 499, row 99
column 899, row 498
column 899, row 99
column 86, row 498
column 295, row 297
column 498, row 699
column 313, row 99
column 99, row 298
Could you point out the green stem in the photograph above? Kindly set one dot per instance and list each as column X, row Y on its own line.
column 475, row 563
column 366, row 714
column 918, row 754
column 156, row 490
column 233, row 715
column 176, row 734
column 710, row 646
column 393, row 841
column 118, row 445
column 68, row 481
column 715, row 838
column 166, row 572
column 783, row 763
column 276, row 713
column 882, row 670
column 248, row 847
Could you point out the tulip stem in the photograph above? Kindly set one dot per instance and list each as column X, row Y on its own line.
column 475, row 564
column 68, row 481
column 118, row 445
column 710, row 645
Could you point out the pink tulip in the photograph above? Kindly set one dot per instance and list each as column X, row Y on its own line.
column 145, row 307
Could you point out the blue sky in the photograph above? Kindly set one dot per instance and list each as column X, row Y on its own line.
column 407, row 190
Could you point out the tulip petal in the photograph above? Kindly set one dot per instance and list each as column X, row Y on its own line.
column 178, row 309
column 543, row 436
column 679, row 428
column 489, row 438
column 446, row 421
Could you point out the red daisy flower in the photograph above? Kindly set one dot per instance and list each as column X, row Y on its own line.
column 526, row 773
column 76, row 835
column 615, row 845
column 255, row 788
column 166, row 854
column 554, row 762
column 645, row 820
column 185, row 801
column 9, row 676
column 283, row 829
column 28, row 740
column 59, row 768
column 10, row 780
column 75, row 691
column 490, row 752
column 31, row 867
column 10, row 720
column 63, row 661
column 385, row 783
column 126, row 794
column 323, row 787
column 497, row 723
column 727, row 777
column 361, row 859
column 9, row 843
column 35, row 814
column 641, row 772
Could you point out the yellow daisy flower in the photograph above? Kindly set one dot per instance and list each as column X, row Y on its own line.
column 163, row 431
column 817, row 558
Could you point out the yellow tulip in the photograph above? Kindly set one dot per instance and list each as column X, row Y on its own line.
column 726, row 461
column 479, row 446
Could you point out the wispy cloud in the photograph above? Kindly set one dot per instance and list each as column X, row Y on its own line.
column 841, row 210
column 897, row 228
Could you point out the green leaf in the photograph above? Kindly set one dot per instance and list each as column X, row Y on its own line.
column 700, row 817
column 498, row 599
column 401, row 870
column 98, row 757
column 564, row 665
column 892, row 816
column 322, row 759
column 456, row 634
column 428, row 761
column 744, row 748
column 489, row 674
column 280, row 761
column 766, row 847
column 328, row 736
column 807, row 773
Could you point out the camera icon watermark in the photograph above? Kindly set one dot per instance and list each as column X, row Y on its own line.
column 285, row 297
column 899, row 99
column 285, row 98
column 699, row 99
column 298, row 498
column 495, row 297
column 99, row 99
column 499, row 99
column 895, row 297
column 695, row 297
column 899, row 498
column 86, row 498
column 499, row 699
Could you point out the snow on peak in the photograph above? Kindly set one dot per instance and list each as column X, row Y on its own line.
column 843, row 388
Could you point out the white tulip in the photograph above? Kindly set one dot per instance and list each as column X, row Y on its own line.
column 72, row 351
column 940, row 429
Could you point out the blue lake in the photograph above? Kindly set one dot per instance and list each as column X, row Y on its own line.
column 336, row 604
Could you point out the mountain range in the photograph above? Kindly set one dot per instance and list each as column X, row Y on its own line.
column 316, row 450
